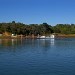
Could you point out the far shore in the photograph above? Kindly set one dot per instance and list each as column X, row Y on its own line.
column 34, row 37
column 65, row 35
column 17, row 37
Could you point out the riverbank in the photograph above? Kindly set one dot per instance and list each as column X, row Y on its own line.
column 17, row 37
column 34, row 37
column 65, row 35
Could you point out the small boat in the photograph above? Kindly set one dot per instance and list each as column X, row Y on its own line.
column 52, row 36
column 46, row 37
column 42, row 36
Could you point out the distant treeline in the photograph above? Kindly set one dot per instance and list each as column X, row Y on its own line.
column 42, row 29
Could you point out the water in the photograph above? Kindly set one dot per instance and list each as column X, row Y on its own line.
column 37, row 56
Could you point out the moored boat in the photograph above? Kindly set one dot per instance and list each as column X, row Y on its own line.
column 46, row 37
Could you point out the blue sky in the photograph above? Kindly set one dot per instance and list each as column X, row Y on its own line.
column 38, row 11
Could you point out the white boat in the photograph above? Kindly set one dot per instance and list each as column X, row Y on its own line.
column 46, row 37
column 52, row 36
column 42, row 36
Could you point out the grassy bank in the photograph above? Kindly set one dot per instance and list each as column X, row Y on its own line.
column 65, row 35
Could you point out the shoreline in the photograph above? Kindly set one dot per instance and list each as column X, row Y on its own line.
column 65, row 35
column 31, row 37
column 18, row 37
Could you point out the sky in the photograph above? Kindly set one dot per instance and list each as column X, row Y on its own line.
column 38, row 11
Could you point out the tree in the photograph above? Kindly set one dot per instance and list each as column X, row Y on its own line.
column 13, row 21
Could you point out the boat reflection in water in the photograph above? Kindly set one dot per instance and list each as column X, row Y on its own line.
column 52, row 41
column 46, row 42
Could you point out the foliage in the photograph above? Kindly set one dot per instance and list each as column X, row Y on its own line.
column 64, row 28
column 42, row 29
column 20, row 28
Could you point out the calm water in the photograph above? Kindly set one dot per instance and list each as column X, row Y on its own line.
column 37, row 57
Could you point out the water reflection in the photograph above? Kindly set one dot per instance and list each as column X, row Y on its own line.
column 52, row 41
column 17, row 45
column 46, row 42
column 10, row 45
column 0, row 41
column 8, row 42
column 14, row 42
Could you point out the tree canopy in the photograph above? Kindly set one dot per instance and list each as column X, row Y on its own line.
column 42, row 29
